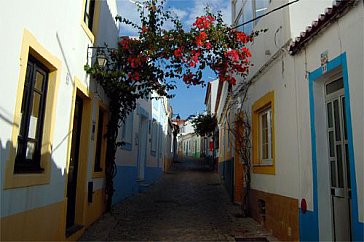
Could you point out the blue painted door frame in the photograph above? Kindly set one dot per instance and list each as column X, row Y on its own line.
column 309, row 222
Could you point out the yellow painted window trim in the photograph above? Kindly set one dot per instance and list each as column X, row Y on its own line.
column 88, row 32
column 266, row 101
column 95, row 25
column 30, row 45
column 100, row 174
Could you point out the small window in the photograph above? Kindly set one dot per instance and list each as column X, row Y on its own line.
column 160, row 144
column 247, row 10
column 99, row 141
column 265, row 136
column 248, row 16
column 261, row 7
column 32, row 118
column 127, row 132
column 233, row 7
column 154, row 137
column 89, row 13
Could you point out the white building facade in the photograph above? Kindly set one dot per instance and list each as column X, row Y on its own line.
column 188, row 142
column 146, row 151
column 307, row 118
column 49, row 111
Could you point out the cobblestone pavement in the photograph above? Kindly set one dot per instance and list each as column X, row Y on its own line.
column 188, row 203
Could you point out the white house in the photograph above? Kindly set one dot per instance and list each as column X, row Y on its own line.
column 307, row 118
column 146, row 151
column 210, row 103
column 49, row 112
column 189, row 143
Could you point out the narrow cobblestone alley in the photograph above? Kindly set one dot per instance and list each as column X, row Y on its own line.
column 188, row 203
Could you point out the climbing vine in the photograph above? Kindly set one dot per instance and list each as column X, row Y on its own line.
column 159, row 57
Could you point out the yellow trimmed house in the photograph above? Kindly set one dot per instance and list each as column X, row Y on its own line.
column 52, row 117
column 225, row 112
column 306, row 110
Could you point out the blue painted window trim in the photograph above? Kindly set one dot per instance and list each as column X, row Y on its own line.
column 357, row 226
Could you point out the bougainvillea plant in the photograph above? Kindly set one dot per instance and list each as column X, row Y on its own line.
column 158, row 57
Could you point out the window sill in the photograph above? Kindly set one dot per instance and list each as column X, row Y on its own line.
column 126, row 146
column 18, row 180
column 98, row 174
column 263, row 165
column 28, row 170
column 88, row 32
column 268, row 169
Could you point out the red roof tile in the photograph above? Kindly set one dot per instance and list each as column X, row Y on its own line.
column 338, row 9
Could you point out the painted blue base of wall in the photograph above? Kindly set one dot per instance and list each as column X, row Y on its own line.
column 125, row 181
column 226, row 172
column 152, row 174
column 358, row 231
column 308, row 226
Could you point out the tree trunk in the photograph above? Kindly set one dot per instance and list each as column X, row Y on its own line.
column 112, row 134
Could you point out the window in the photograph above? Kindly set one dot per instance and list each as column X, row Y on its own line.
column 263, row 134
column 260, row 7
column 88, row 16
column 160, row 144
column 246, row 10
column 154, row 138
column 127, row 132
column 100, row 143
column 233, row 9
column 32, row 118
column 29, row 160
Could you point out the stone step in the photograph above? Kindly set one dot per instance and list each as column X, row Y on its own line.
column 143, row 187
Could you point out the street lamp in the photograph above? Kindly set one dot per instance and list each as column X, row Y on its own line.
column 101, row 59
column 99, row 53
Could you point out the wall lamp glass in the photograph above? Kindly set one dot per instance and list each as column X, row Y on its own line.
column 100, row 53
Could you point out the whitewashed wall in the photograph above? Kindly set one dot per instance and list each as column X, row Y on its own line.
column 345, row 35
column 57, row 27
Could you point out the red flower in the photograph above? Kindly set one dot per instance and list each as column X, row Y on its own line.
column 232, row 81
column 194, row 58
column 144, row 29
column 233, row 55
column 135, row 76
column 178, row 52
column 203, row 35
column 124, row 43
column 187, row 77
column 241, row 36
column 201, row 38
column 208, row 45
column 210, row 18
column 246, row 51
column 203, row 22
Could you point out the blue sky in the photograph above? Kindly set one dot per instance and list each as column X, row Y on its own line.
column 187, row 100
